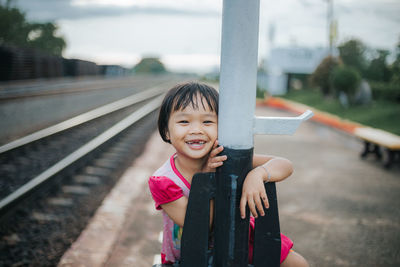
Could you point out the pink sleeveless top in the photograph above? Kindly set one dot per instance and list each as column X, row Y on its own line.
column 167, row 185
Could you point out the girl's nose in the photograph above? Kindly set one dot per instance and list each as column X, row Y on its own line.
column 196, row 128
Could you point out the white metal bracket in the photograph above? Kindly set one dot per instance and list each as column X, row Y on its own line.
column 280, row 125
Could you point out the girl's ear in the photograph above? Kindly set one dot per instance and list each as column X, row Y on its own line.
column 167, row 135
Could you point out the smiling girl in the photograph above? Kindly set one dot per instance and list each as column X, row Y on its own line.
column 188, row 120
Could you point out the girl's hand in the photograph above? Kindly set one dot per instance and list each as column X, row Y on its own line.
column 254, row 194
column 213, row 160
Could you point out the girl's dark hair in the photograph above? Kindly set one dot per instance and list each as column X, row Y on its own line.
column 182, row 95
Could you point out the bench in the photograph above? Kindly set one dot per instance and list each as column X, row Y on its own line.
column 375, row 140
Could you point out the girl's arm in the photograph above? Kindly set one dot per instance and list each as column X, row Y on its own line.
column 265, row 169
column 277, row 167
column 176, row 210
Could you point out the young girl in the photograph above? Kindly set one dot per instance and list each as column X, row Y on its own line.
column 188, row 120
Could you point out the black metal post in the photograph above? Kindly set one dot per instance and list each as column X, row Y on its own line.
column 231, row 231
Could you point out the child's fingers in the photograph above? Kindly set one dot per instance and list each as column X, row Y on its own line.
column 259, row 205
column 218, row 159
column 252, row 206
column 215, row 143
column 243, row 202
column 264, row 197
column 214, row 165
column 216, row 151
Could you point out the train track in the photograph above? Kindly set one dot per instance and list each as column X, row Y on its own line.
column 24, row 106
column 24, row 89
column 53, row 180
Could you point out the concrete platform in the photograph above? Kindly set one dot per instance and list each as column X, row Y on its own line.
column 338, row 209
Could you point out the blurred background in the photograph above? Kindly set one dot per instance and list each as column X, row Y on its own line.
column 67, row 59
column 303, row 44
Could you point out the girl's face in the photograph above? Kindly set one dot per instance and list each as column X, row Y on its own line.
column 192, row 131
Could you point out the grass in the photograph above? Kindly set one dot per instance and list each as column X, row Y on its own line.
column 380, row 114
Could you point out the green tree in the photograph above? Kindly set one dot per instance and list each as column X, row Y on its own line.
column 42, row 36
column 352, row 54
column 149, row 65
column 15, row 30
column 13, row 27
column 395, row 67
column 378, row 70
column 346, row 79
column 322, row 76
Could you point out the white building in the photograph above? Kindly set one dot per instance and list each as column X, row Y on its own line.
column 291, row 60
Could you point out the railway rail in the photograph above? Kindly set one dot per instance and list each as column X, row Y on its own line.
column 19, row 152
column 53, row 180
column 27, row 89
column 25, row 106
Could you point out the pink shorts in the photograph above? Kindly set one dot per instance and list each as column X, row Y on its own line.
column 286, row 243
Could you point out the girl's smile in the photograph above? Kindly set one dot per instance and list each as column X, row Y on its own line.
column 193, row 131
column 196, row 144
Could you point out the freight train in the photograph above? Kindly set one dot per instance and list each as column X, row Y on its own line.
column 24, row 63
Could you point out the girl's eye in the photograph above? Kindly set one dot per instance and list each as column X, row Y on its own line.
column 208, row 122
column 183, row 122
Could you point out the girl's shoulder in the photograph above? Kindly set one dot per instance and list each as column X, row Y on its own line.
column 164, row 190
column 164, row 185
column 165, row 169
column 169, row 171
column 168, row 182
column 164, row 178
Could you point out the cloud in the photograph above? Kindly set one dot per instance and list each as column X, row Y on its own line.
column 50, row 10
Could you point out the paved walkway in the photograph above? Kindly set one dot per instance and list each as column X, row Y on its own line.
column 338, row 209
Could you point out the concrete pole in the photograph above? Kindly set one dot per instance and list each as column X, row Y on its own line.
column 236, row 127
column 239, row 53
column 330, row 25
column 239, row 50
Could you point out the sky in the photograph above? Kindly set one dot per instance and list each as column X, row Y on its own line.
column 186, row 34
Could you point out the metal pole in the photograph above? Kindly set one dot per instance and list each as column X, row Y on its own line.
column 239, row 51
column 236, row 127
column 330, row 25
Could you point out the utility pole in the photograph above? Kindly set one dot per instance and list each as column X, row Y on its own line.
column 332, row 27
column 236, row 127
